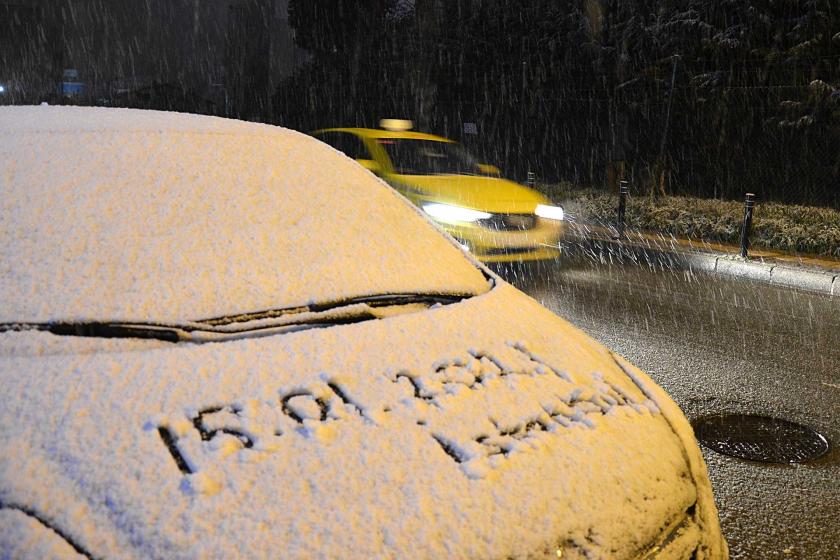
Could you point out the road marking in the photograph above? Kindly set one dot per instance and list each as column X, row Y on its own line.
column 831, row 385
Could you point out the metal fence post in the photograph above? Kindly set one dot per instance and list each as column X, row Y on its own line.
column 622, row 206
column 749, row 203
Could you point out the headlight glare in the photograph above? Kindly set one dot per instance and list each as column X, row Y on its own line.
column 453, row 214
column 549, row 212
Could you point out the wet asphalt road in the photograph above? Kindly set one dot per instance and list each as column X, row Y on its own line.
column 724, row 345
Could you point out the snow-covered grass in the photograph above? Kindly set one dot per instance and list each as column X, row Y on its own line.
column 782, row 227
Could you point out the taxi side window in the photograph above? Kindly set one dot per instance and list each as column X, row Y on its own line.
column 345, row 142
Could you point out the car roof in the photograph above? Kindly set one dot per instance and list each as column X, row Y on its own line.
column 57, row 119
column 121, row 214
column 375, row 133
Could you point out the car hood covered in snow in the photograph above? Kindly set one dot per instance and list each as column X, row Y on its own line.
column 487, row 428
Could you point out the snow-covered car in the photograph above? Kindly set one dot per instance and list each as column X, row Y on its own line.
column 208, row 349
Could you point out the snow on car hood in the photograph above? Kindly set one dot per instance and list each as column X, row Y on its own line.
column 488, row 428
column 139, row 202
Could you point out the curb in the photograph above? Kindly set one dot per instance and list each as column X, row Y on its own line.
column 668, row 255
column 779, row 275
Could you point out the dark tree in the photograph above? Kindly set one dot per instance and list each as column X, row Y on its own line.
column 680, row 96
column 336, row 27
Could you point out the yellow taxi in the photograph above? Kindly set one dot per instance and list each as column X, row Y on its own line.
column 495, row 219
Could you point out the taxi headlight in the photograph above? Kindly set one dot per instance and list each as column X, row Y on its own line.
column 549, row 212
column 453, row 214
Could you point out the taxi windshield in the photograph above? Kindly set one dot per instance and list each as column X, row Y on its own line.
column 429, row 157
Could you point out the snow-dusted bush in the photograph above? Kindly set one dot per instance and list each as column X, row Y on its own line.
column 783, row 227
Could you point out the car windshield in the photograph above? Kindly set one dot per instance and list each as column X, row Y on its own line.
column 170, row 218
column 429, row 157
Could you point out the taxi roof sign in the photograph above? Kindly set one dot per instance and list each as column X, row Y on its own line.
column 396, row 125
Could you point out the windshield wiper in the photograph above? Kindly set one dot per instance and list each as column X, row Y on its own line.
column 392, row 299
column 268, row 322
column 189, row 332
column 103, row 330
column 386, row 300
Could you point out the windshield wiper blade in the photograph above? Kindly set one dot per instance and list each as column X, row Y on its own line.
column 103, row 329
column 391, row 299
column 198, row 333
column 116, row 330
column 358, row 309
column 385, row 300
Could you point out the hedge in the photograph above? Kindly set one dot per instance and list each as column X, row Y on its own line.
column 783, row 227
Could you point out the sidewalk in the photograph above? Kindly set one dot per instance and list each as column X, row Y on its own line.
column 819, row 274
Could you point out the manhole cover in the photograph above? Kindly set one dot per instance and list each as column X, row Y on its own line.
column 760, row 438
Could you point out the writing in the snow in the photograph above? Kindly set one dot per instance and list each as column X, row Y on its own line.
column 212, row 433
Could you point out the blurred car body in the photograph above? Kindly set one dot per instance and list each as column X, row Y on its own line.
column 208, row 349
column 494, row 218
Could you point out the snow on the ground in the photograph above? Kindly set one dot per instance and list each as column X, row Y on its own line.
column 486, row 428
